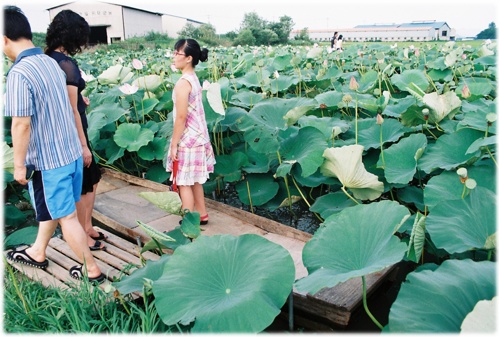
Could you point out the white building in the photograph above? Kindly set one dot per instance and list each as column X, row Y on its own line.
column 111, row 23
column 413, row 31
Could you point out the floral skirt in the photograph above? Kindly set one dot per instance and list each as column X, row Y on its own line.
column 195, row 164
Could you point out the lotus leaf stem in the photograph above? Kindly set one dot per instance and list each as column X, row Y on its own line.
column 249, row 197
column 356, row 111
column 365, row 305
column 305, row 199
column 350, row 197
column 491, row 155
column 382, row 148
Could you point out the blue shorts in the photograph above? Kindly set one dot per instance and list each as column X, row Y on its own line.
column 54, row 192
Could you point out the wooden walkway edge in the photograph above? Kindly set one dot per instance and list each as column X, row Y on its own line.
column 117, row 209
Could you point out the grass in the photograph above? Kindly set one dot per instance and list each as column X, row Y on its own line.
column 29, row 307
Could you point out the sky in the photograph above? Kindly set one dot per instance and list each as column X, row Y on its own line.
column 468, row 18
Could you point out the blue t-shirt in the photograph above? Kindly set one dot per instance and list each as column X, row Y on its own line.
column 36, row 87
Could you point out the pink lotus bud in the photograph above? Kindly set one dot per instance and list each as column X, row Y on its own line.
column 465, row 91
column 464, row 56
column 353, row 85
column 325, row 63
column 417, row 52
column 137, row 64
column 380, row 119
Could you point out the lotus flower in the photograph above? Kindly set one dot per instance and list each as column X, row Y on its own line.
column 276, row 74
column 128, row 89
column 465, row 91
column 380, row 119
column 345, row 163
column 137, row 64
column 353, row 85
column 87, row 78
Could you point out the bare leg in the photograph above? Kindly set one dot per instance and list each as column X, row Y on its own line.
column 199, row 199
column 84, row 209
column 45, row 231
column 77, row 240
column 187, row 197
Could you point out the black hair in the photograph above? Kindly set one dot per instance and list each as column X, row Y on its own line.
column 69, row 30
column 192, row 48
column 15, row 24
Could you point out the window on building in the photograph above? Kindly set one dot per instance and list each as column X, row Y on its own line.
column 115, row 39
column 444, row 33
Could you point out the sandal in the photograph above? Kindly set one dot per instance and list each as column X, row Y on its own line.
column 98, row 245
column 22, row 257
column 101, row 236
column 203, row 220
column 76, row 273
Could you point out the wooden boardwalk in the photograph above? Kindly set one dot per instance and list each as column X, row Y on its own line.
column 118, row 207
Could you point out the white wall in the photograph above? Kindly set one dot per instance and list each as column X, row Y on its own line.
column 139, row 23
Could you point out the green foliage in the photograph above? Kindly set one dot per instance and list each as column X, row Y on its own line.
column 262, row 31
column 488, row 33
column 39, row 40
column 204, row 34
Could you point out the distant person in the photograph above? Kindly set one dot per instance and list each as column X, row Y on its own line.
column 44, row 135
column 333, row 41
column 190, row 144
column 66, row 36
column 339, row 43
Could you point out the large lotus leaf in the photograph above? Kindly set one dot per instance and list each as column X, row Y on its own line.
column 478, row 86
column 113, row 151
column 148, row 82
column 136, row 280
column 330, row 98
column 401, row 158
column 168, row 201
column 154, row 150
column 282, row 83
column 145, row 106
column 246, row 98
column 157, row 173
column 282, row 62
column 368, row 81
column 257, row 189
column 484, row 51
column 412, row 195
column 294, row 114
column 23, row 236
column 440, row 299
column 331, row 203
column 345, row 163
column 8, row 158
column 441, row 105
column 111, row 112
column 306, row 149
column 114, row 75
column 132, row 137
column 447, row 185
column 313, row 180
column 327, row 125
column 415, row 76
column 253, row 78
column 225, row 284
column 314, row 53
column 257, row 162
column 449, row 151
column 475, row 117
column 396, row 107
column 233, row 118
column 482, row 143
column 482, row 319
column 281, row 199
column 369, row 132
column 471, row 224
column 261, row 127
column 357, row 241
column 229, row 166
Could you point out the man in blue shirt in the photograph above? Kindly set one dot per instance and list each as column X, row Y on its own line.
column 44, row 135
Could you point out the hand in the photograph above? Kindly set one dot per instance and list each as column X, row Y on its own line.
column 87, row 157
column 20, row 174
column 86, row 100
column 173, row 153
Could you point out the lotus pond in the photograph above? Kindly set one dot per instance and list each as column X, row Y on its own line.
column 391, row 152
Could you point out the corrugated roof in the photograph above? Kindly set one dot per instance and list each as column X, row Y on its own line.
column 414, row 24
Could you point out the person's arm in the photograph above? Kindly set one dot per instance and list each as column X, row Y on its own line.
column 21, row 131
column 182, row 90
column 73, row 98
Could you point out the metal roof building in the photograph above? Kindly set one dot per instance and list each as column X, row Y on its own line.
column 111, row 22
column 413, row 31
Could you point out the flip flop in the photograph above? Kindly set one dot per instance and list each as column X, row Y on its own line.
column 21, row 256
column 203, row 220
column 97, row 246
column 101, row 236
column 76, row 273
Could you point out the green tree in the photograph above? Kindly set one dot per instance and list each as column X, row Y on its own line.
column 268, row 37
column 489, row 33
column 188, row 31
column 303, row 35
column 245, row 37
column 283, row 28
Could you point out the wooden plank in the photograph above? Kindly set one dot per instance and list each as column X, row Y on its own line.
column 128, row 246
column 44, row 277
column 116, row 226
